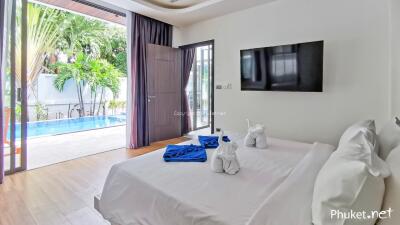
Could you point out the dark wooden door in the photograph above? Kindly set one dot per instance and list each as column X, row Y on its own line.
column 164, row 92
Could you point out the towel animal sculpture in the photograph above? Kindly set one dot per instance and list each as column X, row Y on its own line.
column 255, row 136
column 224, row 158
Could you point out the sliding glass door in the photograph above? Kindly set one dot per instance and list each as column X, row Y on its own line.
column 199, row 88
column 14, row 89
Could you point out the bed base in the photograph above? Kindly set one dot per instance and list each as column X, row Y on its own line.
column 96, row 202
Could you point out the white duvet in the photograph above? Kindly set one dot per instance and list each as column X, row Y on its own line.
column 273, row 187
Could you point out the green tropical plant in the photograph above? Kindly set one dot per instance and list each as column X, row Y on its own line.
column 78, row 72
column 81, row 34
column 115, row 53
column 116, row 104
column 99, row 51
column 98, row 74
column 18, row 111
column 103, row 76
column 43, row 34
column 41, row 111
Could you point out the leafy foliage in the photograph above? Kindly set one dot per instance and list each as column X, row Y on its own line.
column 100, row 52
column 116, row 104
column 50, row 29
column 116, row 52
column 41, row 111
column 105, row 75
column 93, row 37
column 78, row 71
column 98, row 49
column 43, row 34
column 98, row 74
column 81, row 34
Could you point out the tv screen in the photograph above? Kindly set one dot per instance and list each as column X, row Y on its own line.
column 296, row 67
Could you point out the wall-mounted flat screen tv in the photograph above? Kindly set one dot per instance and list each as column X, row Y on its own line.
column 296, row 67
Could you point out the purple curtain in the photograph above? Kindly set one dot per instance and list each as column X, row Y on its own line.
column 187, row 63
column 142, row 31
column 2, row 46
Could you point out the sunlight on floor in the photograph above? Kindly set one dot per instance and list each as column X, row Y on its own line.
column 59, row 148
column 205, row 131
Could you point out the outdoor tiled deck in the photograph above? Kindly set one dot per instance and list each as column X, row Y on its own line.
column 49, row 150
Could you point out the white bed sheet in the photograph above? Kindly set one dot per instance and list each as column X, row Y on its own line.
column 274, row 186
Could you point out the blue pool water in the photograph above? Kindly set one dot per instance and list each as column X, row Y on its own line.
column 63, row 126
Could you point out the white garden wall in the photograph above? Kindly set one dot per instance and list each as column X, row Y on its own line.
column 57, row 101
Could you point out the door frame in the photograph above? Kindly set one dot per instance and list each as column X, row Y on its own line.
column 24, row 97
column 212, row 74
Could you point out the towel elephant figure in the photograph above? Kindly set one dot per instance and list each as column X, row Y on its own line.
column 255, row 136
column 224, row 158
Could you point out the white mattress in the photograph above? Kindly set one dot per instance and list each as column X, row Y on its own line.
column 274, row 186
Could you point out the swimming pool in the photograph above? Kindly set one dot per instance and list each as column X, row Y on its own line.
column 64, row 126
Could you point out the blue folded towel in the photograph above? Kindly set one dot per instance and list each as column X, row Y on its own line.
column 211, row 141
column 185, row 153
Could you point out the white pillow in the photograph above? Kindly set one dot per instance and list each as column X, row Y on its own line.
column 392, row 195
column 368, row 126
column 346, row 183
column 389, row 137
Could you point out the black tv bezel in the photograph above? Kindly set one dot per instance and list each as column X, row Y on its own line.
column 263, row 90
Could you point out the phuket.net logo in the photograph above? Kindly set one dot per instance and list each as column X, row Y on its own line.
column 361, row 215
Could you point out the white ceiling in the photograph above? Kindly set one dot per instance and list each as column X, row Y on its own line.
column 185, row 12
column 175, row 4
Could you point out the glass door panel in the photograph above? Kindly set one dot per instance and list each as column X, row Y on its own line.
column 14, row 107
column 199, row 88
column 203, row 92
column 190, row 96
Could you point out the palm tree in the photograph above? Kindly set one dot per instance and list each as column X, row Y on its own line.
column 96, row 73
column 103, row 76
column 109, row 78
column 81, row 34
column 77, row 71
column 115, row 52
column 43, row 34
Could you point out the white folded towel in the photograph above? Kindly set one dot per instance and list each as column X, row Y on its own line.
column 229, row 158
column 224, row 158
column 255, row 136
column 216, row 162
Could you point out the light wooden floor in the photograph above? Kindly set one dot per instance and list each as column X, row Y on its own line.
column 62, row 194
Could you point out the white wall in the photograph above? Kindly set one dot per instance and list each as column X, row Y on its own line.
column 356, row 65
column 56, row 101
column 177, row 37
column 48, row 94
column 395, row 53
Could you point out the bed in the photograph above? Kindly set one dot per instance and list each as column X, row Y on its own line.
column 272, row 184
